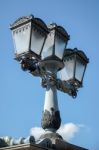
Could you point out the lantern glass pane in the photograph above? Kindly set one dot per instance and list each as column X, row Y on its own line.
column 67, row 73
column 21, row 37
column 80, row 67
column 59, row 46
column 37, row 40
column 48, row 46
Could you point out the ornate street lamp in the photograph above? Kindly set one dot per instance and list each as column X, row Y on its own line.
column 42, row 50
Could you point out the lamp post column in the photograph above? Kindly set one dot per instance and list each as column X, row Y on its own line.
column 51, row 115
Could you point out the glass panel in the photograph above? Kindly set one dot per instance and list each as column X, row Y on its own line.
column 21, row 38
column 48, row 46
column 67, row 72
column 80, row 67
column 37, row 41
column 59, row 47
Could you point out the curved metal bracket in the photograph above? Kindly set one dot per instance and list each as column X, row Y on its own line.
column 48, row 78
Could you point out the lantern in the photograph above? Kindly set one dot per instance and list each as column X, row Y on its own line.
column 75, row 62
column 29, row 35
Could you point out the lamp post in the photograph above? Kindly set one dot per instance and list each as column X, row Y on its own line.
column 42, row 51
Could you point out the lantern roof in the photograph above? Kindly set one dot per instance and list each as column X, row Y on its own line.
column 21, row 20
column 80, row 53
column 60, row 29
column 25, row 19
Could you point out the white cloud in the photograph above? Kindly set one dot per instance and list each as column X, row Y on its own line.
column 36, row 132
column 67, row 131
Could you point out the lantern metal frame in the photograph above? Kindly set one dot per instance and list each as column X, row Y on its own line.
column 59, row 31
column 76, row 54
column 36, row 23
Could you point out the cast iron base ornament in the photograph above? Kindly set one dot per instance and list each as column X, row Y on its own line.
column 51, row 120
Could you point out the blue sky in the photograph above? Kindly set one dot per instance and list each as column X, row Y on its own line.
column 22, row 97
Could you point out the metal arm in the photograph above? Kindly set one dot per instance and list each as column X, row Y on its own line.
column 48, row 77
